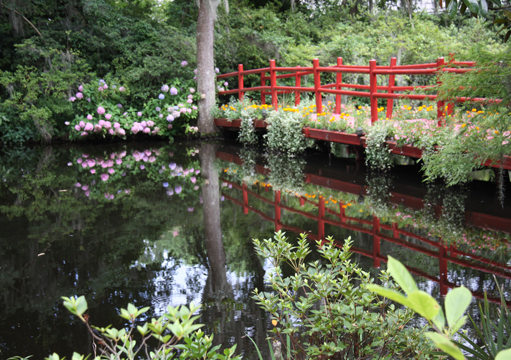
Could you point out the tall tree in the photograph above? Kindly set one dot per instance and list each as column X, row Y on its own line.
column 205, row 62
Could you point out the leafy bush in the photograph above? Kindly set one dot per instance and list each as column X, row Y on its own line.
column 175, row 331
column 285, row 131
column 325, row 308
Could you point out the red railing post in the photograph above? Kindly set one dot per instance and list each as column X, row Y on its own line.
column 376, row 242
column 302, row 201
column 372, row 91
column 440, row 104
column 338, row 83
column 321, row 218
column 273, row 83
column 392, row 82
column 263, row 83
column 245, row 198
column 277, row 211
column 450, row 106
column 317, row 86
column 298, row 83
column 241, row 93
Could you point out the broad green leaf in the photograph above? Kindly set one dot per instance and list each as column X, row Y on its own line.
column 389, row 294
column 446, row 345
column 452, row 8
column 401, row 275
column 504, row 355
column 439, row 320
column 81, row 305
column 423, row 304
column 472, row 5
column 461, row 321
column 456, row 303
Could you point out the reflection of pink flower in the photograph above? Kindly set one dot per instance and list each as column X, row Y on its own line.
column 142, row 167
column 190, row 209
column 84, row 133
column 193, row 179
column 111, row 171
column 175, row 233
column 78, row 184
column 197, row 171
column 178, row 189
column 85, row 187
column 152, row 159
column 104, row 177
column 118, row 161
column 127, row 191
column 92, row 171
column 196, row 187
column 87, row 193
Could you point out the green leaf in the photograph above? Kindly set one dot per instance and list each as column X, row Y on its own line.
column 389, row 294
column 456, row 303
column 423, row 304
column 452, row 8
column 461, row 321
column 472, row 5
column 81, row 305
column 483, row 6
column 446, row 345
column 504, row 355
column 439, row 320
column 401, row 275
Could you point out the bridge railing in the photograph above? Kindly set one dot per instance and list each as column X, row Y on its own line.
column 373, row 91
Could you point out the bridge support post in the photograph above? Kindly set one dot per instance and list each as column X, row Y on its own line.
column 440, row 104
column 372, row 91
column 338, row 99
column 317, row 86
column 245, row 199
column 273, row 84
column 241, row 93
column 392, row 82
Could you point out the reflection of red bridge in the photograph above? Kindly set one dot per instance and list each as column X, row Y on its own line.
column 373, row 91
column 444, row 254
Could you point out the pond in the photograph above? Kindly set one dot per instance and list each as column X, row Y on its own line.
column 155, row 224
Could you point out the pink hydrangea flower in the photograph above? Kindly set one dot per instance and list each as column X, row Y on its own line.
column 101, row 110
column 108, row 116
column 147, row 130
column 84, row 133
column 192, row 90
column 104, row 177
column 79, row 95
column 78, row 128
column 89, row 127
column 139, row 113
column 193, row 179
column 117, row 125
column 173, row 91
column 111, row 171
column 89, row 117
column 150, row 123
column 108, row 124
column 122, row 132
column 101, row 122
column 122, row 89
column 97, row 128
column 80, row 88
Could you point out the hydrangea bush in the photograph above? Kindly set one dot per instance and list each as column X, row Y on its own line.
column 103, row 109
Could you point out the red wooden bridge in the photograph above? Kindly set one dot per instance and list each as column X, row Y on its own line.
column 400, row 237
column 373, row 91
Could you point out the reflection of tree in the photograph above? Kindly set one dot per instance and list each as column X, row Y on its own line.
column 216, row 285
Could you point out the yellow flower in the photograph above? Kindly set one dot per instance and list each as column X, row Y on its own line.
column 474, row 110
column 463, row 125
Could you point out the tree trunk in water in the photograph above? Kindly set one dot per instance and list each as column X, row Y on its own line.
column 206, row 64
column 217, row 286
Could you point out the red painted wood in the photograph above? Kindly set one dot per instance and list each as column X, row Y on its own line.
column 392, row 82
column 373, row 90
column 317, row 85
column 263, row 84
column 338, row 84
column 376, row 242
column 241, row 93
column 440, row 104
column 334, row 136
column 298, row 80
column 273, row 84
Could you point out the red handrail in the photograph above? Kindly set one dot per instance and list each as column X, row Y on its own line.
column 338, row 87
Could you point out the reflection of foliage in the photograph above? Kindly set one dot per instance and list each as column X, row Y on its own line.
column 248, row 155
column 378, row 193
column 286, row 173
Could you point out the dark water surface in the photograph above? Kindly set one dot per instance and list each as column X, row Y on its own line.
column 157, row 224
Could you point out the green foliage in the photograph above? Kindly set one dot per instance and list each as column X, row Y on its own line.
column 285, row 132
column 325, row 308
column 175, row 331
column 377, row 153
column 456, row 303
